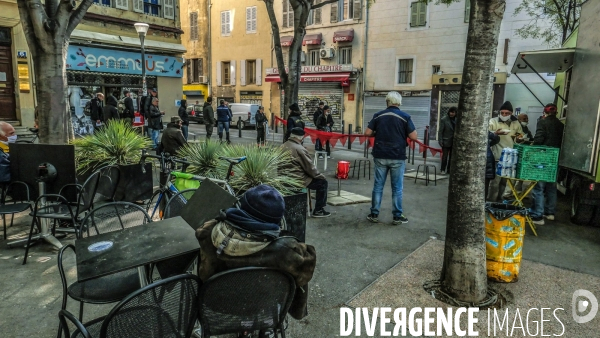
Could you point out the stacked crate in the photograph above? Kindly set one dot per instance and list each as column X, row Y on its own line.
column 537, row 163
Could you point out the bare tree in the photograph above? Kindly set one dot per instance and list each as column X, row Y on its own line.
column 48, row 26
column 550, row 20
column 290, row 75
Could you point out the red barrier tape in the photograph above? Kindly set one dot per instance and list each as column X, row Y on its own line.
column 324, row 136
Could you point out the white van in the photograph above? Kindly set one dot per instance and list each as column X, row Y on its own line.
column 246, row 111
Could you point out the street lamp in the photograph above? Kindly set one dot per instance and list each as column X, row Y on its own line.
column 142, row 29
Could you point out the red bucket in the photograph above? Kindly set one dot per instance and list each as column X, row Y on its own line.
column 343, row 169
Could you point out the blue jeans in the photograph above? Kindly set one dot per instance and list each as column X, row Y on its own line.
column 154, row 135
column 544, row 199
column 221, row 126
column 396, row 170
column 184, row 130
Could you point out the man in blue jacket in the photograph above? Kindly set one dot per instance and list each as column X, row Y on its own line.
column 223, row 119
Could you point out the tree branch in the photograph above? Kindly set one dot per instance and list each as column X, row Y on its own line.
column 77, row 15
column 37, row 15
column 27, row 25
column 326, row 2
column 283, row 76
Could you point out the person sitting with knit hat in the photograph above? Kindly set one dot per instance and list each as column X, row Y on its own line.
column 508, row 128
column 251, row 237
column 294, row 120
column 303, row 168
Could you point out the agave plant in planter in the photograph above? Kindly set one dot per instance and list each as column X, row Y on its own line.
column 204, row 158
column 120, row 145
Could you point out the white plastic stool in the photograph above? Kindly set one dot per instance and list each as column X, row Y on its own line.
column 315, row 159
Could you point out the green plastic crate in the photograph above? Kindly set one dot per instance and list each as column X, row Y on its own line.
column 537, row 163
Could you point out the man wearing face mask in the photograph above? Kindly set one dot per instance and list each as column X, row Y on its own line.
column 524, row 120
column 508, row 129
column 7, row 135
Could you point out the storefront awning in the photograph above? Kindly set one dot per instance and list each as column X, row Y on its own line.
column 286, row 41
column 343, row 36
column 125, row 41
column 544, row 61
column 193, row 93
column 316, row 77
column 312, row 39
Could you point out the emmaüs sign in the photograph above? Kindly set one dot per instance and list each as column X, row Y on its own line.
column 114, row 61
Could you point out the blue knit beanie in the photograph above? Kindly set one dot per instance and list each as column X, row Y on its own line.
column 264, row 203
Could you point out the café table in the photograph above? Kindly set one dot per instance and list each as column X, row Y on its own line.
column 171, row 240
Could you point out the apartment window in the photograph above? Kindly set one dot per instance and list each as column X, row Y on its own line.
column 346, row 10
column 435, row 69
column 251, row 19
column 313, row 58
column 194, row 70
column 122, row 4
column 345, row 56
column 225, row 23
column 418, row 14
column 468, row 10
column 405, row 71
column 288, row 14
column 194, row 26
column 250, row 71
column 226, row 72
column 168, row 9
column 314, row 17
column 105, row 3
column 151, row 7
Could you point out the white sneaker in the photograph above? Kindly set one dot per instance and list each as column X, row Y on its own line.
column 443, row 172
column 321, row 157
column 549, row 217
column 328, row 156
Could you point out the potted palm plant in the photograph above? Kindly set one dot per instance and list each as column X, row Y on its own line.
column 120, row 145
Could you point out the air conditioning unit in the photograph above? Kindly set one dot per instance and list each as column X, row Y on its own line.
column 202, row 79
column 326, row 53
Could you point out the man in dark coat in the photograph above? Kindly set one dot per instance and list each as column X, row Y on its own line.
column 224, row 117
column 209, row 117
column 490, row 163
column 446, row 137
column 325, row 123
column 110, row 109
column 129, row 111
column 261, row 124
column 294, row 120
column 155, row 121
column 318, row 112
column 172, row 139
column 185, row 118
column 97, row 114
column 524, row 121
column 549, row 133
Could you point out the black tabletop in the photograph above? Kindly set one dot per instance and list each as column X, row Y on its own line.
column 134, row 247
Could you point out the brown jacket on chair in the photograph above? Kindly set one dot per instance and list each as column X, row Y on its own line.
column 302, row 165
column 284, row 253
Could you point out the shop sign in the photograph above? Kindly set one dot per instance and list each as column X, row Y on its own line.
column 122, row 62
column 316, row 69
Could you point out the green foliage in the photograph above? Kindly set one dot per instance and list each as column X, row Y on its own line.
column 260, row 167
column 115, row 144
column 550, row 21
column 204, row 157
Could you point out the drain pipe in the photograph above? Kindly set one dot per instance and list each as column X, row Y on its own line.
column 364, row 71
column 209, row 7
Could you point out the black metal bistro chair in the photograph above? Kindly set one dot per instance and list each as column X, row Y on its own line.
column 177, row 202
column 167, row 308
column 58, row 207
column 112, row 288
column 21, row 201
column 246, row 300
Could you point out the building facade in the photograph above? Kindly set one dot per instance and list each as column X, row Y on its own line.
column 104, row 56
column 421, row 55
column 240, row 38
column 196, row 40
column 332, row 60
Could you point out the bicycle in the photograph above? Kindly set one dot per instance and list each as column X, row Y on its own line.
column 168, row 190
column 25, row 138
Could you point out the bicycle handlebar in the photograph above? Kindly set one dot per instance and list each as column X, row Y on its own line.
column 233, row 160
column 164, row 157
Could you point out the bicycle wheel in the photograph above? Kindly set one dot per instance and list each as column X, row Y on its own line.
column 156, row 205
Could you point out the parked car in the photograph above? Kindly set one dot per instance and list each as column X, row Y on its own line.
column 246, row 111
column 195, row 113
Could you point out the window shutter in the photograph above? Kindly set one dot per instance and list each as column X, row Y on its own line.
column 248, row 19
column 422, row 14
column 291, row 17
column 357, row 10
column 194, row 26
column 467, row 10
column 254, row 19
column 258, row 72
column 219, row 73
column 223, row 20
column 228, row 22
column 334, row 13
column 169, row 10
column 317, row 15
column 286, row 7
column 242, row 72
column 414, row 13
column 122, row 4
column 138, row 6
column 198, row 70
column 232, row 73
column 188, row 66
